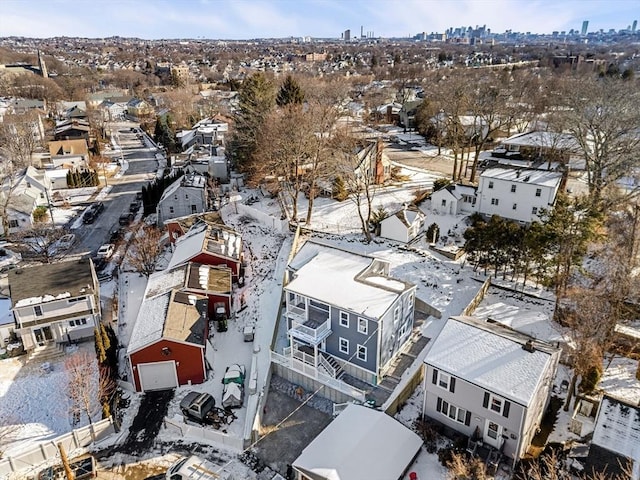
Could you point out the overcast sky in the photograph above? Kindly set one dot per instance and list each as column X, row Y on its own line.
column 244, row 19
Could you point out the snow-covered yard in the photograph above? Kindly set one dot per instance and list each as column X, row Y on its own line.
column 37, row 401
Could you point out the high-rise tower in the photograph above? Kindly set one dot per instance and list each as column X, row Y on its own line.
column 585, row 26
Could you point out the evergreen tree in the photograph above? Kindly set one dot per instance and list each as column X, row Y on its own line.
column 256, row 98
column 290, row 93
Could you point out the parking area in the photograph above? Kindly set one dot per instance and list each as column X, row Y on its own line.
column 288, row 426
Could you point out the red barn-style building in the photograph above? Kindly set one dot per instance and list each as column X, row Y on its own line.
column 210, row 244
column 169, row 342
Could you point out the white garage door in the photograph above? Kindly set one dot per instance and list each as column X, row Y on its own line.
column 158, row 375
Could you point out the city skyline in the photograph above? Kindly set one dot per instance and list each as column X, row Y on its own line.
column 246, row 19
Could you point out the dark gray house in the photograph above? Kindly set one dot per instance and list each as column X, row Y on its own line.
column 345, row 313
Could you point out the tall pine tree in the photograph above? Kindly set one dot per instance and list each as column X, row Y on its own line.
column 290, row 93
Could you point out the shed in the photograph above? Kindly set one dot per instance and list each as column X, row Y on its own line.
column 359, row 443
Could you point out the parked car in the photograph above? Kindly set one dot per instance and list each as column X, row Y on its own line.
column 126, row 218
column 105, row 251
column 89, row 217
column 134, row 207
column 116, row 235
column 66, row 241
column 196, row 406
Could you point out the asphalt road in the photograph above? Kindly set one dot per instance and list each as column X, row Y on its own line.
column 142, row 167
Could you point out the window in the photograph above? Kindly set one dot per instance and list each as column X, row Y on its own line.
column 362, row 353
column 37, row 309
column 194, row 209
column 41, row 195
column 396, row 315
column 494, row 201
column 410, row 301
column 513, row 189
column 453, row 412
column 534, row 210
column 186, row 195
column 344, row 345
column 444, row 202
column 344, row 319
column 77, row 322
column 171, row 209
column 496, row 404
column 515, row 206
column 538, row 192
column 492, row 430
column 443, row 380
column 363, row 325
column 490, row 184
column 77, row 299
column 13, row 223
column 175, row 197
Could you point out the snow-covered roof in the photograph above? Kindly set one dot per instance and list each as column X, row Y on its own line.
column 336, row 277
column 459, row 190
column 492, row 357
column 408, row 215
column 534, row 177
column 150, row 322
column 560, row 141
column 618, row 428
column 360, row 443
column 209, row 238
column 51, row 281
column 162, row 282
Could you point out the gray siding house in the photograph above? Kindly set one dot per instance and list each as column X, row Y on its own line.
column 490, row 383
column 345, row 313
column 186, row 196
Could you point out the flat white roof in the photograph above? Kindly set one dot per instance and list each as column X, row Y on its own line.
column 561, row 141
column 618, row 428
column 481, row 354
column 534, row 177
column 360, row 443
column 329, row 275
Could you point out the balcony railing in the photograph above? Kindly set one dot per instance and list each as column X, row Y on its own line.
column 310, row 371
column 296, row 313
column 310, row 331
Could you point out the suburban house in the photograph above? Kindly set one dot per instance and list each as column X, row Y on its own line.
column 517, row 194
column 72, row 109
column 7, row 323
column 72, row 128
column 346, row 449
column 207, row 131
column 69, row 153
column 454, row 199
column 404, row 225
column 28, row 192
column 345, row 313
column 490, row 383
column 372, row 164
column 169, row 340
column 113, row 110
column 210, row 244
column 189, row 194
column 55, row 302
column 407, row 114
column 539, row 147
column 139, row 108
column 616, row 439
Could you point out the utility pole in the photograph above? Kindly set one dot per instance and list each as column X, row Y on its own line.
column 65, row 462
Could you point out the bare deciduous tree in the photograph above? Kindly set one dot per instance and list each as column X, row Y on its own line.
column 83, row 385
column 145, row 249
column 42, row 241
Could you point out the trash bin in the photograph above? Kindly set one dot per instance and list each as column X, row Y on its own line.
column 248, row 334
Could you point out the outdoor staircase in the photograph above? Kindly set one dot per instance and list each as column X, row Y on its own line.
column 45, row 353
column 335, row 369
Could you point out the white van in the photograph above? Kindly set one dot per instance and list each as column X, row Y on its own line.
column 196, row 468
